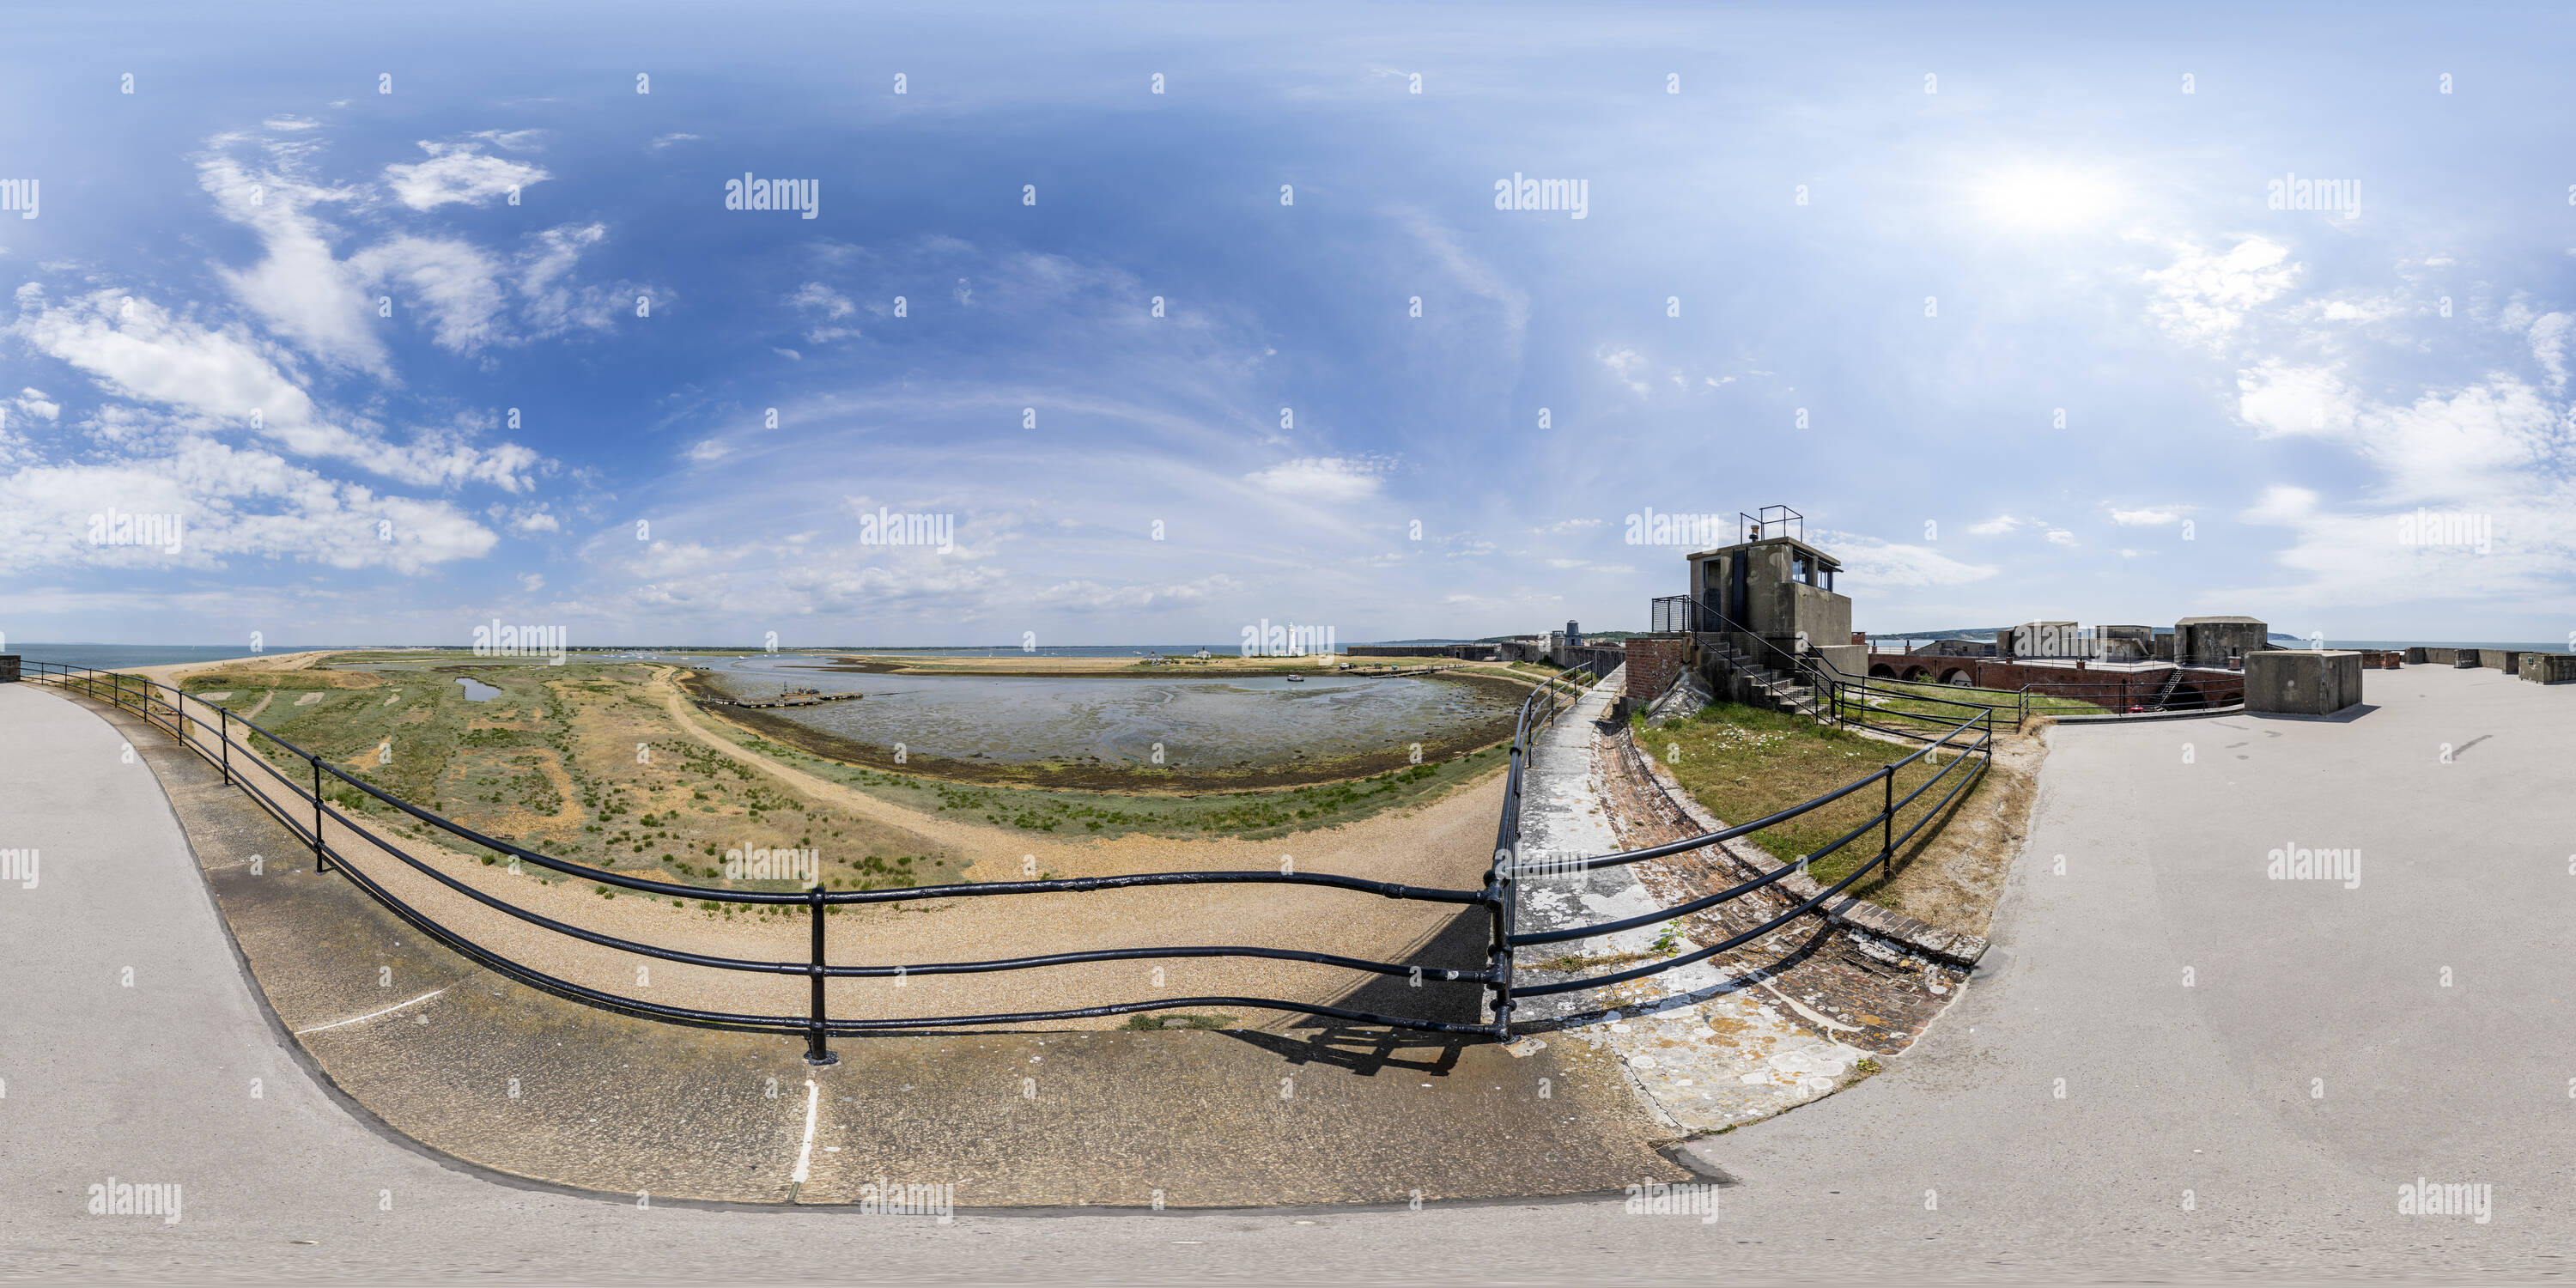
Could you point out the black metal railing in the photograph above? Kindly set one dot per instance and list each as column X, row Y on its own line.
column 215, row 733
column 1971, row 739
column 1973, row 755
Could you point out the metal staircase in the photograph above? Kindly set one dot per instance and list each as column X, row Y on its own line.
column 2173, row 680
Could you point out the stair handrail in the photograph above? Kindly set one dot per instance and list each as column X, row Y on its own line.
column 1824, row 671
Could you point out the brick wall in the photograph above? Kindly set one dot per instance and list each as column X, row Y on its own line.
column 1652, row 664
column 2097, row 686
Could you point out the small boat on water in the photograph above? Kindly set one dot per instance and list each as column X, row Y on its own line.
column 1296, row 679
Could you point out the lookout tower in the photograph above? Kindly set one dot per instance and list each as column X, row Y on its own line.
column 1773, row 587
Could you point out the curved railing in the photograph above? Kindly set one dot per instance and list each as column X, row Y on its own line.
column 1974, row 754
column 167, row 708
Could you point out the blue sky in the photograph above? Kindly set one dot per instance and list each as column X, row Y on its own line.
column 2056, row 226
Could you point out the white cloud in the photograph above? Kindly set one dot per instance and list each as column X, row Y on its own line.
column 815, row 295
column 2060, row 536
column 34, row 402
column 232, row 504
column 2205, row 296
column 556, row 305
column 2282, row 503
column 459, row 175
column 2277, row 398
column 532, row 582
column 1868, row 563
column 302, row 291
column 665, row 140
column 1320, row 478
column 2549, row 335
column 509, row 140
column 1626, row 365
column 135, row 349
column 1995, row 527
column 1509, row 300
column 2150, row 517
column 455, row 283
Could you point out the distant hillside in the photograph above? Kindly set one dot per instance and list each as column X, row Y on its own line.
column 1979, row 633
column 1610, row 636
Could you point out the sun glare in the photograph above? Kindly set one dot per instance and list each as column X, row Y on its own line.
column 2048, row 198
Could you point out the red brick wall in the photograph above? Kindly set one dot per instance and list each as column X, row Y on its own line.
column 1652, row 664
column 2091, row 685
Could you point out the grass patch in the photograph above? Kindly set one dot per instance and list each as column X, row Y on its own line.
column 1946, row 703
column 1743, row 763
column 1254, row 815
column 564, row 761
column 1152, row 1023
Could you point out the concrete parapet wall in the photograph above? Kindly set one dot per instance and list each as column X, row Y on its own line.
column 2549, row 668
column 2302, row 682
column 1850, row 660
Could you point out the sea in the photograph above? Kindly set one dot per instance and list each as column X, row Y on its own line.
column 109, row 657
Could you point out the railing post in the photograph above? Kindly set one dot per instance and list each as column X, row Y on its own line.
column 818, row 1050
column 224, row 736
column 1887, row 821
column 1498, row 907
column 320, row 863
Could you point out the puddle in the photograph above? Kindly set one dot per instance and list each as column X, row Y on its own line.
column 478, row 691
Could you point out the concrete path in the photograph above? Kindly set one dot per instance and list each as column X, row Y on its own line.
column 2191, row 1141
column 1715, row 1044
